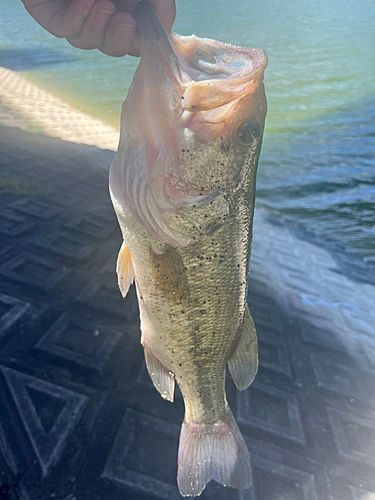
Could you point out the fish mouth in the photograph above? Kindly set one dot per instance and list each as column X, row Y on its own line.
column 215, row 73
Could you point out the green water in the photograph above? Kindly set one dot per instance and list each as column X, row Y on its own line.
column 318, row 160
column 321, row 54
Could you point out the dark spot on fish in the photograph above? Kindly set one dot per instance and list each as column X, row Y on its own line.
column 182, row 97
column 194, row 106
column 180, row 364
column 183, row 150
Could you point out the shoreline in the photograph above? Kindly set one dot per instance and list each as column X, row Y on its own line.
column 27, row 106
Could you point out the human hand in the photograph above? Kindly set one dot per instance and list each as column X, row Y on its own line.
column 106, row 25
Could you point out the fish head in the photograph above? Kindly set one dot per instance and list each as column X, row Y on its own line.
column 193, row 118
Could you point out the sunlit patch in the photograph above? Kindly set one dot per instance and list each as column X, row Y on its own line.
column 367, row 496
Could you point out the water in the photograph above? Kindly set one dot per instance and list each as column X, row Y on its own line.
column 324, row 177
column 318, row 162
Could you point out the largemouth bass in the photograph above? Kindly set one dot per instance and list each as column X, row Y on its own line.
column 183, row 188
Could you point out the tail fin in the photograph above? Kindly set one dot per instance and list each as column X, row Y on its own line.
column 212, row 451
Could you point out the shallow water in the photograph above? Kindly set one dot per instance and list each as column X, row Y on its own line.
column 324, row 178
column 318, row 161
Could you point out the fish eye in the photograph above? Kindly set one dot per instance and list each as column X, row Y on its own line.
column 247, row 131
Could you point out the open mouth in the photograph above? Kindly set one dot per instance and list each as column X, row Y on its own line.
column 214, row 73
column 203, row 59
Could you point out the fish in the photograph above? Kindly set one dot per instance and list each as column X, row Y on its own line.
column 183, row 189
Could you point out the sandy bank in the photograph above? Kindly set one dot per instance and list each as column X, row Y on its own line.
column 25, row 105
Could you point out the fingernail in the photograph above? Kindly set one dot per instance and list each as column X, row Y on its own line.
column 122, row 31
column 101, row 18
column 87, row 10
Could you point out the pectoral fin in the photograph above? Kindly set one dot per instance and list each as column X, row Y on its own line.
column 125, row 271
column 168, row 275
column 243, row 365
column 161, row 377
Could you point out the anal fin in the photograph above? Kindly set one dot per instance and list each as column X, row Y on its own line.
column 243, row 365
column 124, row 268
column 161, row 377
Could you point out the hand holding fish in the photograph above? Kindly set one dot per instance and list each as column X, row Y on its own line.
column 102, row 24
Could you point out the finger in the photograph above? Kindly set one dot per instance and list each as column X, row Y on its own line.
column 165, row 11
column 57, row 18
column 93, row 32
column 119, row 35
